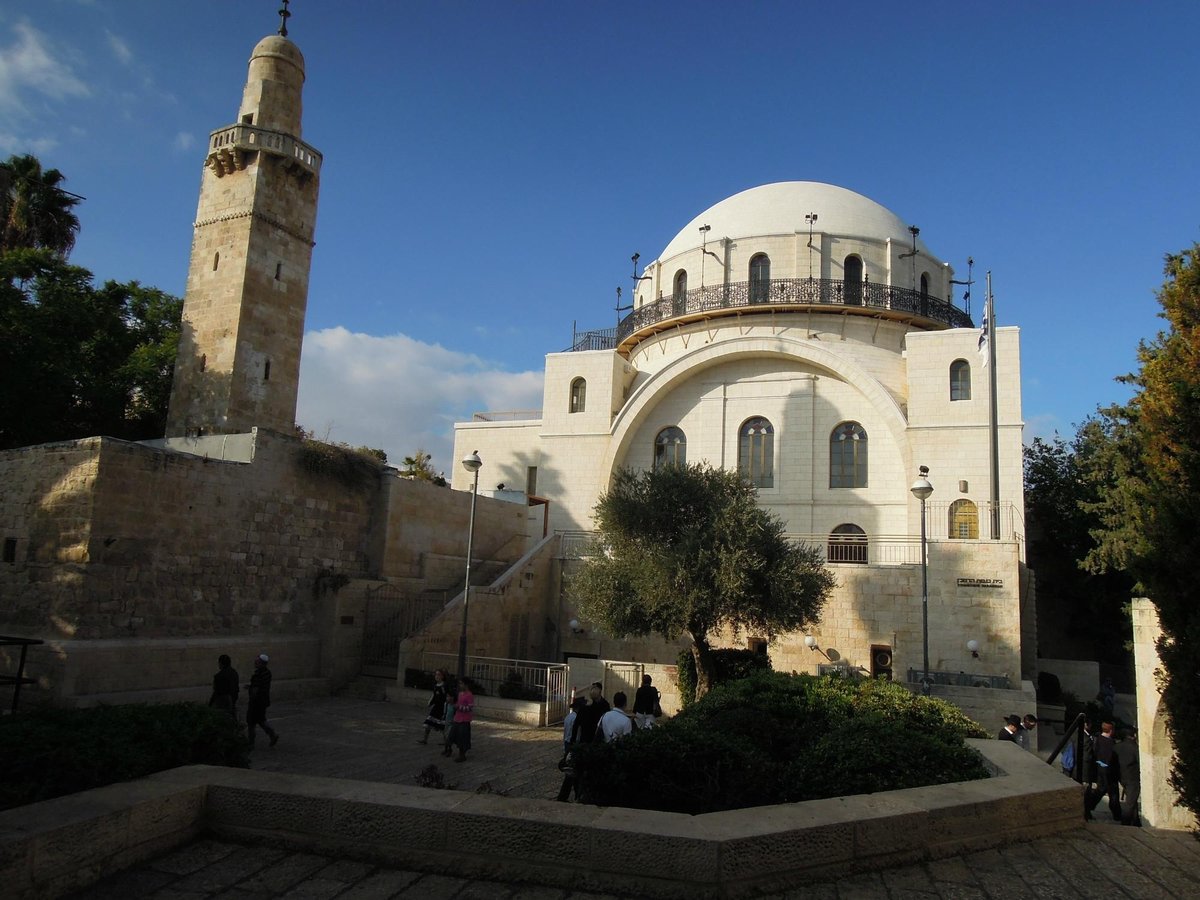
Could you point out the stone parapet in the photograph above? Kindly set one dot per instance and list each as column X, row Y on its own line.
column 50, row 848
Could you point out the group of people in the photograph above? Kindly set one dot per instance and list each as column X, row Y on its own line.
column 449, row 712
column 227, row 687
column 592, row 719
column 1109, row 768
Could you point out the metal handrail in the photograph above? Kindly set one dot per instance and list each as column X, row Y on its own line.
column 960, row 679
column 1074, row 729
column 19, row 679
column 794, row 292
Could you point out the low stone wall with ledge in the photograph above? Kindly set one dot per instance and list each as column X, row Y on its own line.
column 54, row 847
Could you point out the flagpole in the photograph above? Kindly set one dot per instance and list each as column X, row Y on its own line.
column 994, row 427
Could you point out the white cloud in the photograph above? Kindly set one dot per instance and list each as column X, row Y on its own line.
column 398, row 394
column 185, row 140
column 30, row 64
column 119, row 48
column 13, row 144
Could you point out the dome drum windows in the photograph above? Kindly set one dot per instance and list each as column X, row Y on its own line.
column 679, row 295
column 756, row 452
column 670, row 448
column 578, row 396
column 852, row 281
column 848, row 456
column 847, row 544
column 760, row 278
column 960, row 380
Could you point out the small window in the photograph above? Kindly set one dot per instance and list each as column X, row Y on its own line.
column 279, row 271
column 852, row 278
column 960, row 380
column 756, row 452
column 248, row 119
column 964, row 521
column 757, row 646
column 10, row 550
column 924, row 284
column 848, row 544
column 267, row 370
column 578, row 395
column 670, row 448
column 203, row 361
column 848, row 456
column 216, row 260
column 531, row 480
column 760, row 278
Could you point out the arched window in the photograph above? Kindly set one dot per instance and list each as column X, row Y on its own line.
column 756, row 452
column 680, row 285
column 964, row 520
column 960, row 380
column 670, row 448
column 924, row 284
column 578, row 395
column 847, row 544
column 852, row 289
column 760, row 278
column 848, row 456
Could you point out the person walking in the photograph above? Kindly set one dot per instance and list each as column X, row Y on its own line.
column 615, row 723
column 567, row 763
column 646, row 703
column 460, row 731
column 225, row 686
column 1129, row 766
column 1009, row 731
column 259, row 694
column 1108, row 782
column 589, row 717
column 1025, row 734
column 435, row 710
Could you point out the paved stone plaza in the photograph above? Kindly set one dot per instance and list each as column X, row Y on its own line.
column 373, row 741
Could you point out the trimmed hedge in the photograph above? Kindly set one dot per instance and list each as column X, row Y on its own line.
column 775, row 738
column 52, row 752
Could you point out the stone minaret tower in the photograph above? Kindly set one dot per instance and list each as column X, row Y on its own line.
column 243, row 313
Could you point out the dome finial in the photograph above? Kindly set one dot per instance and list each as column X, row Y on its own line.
column 284, row 15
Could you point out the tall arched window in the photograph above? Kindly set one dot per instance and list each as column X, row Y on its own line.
column 756, row 452
column 960, row 380
column 760, row 278
column 847, row 544
column 848, row 456
column 670, row 448
column 964, row 520
column 578, row 395
column 924, row 284
column 852, row 276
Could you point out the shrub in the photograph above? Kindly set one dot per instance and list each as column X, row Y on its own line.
column 727, row 665
column 774, row 738
column 51, row 752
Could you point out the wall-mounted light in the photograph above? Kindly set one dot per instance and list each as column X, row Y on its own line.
column 973, row 646
column 575, row 627
column 810, row 642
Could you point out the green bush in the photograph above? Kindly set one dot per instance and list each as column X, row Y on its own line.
column 727, row 665
column 51, row 752
column 776, row 738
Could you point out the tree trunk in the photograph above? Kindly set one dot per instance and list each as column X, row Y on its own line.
column 702, row 657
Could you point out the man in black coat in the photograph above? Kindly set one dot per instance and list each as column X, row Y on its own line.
column 225, row 686
column 260, row 698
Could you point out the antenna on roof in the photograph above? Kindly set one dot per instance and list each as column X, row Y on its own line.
column 284, row 15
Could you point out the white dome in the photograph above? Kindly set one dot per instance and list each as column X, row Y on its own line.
column 780, row 209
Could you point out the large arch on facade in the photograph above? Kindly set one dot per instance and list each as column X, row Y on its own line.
column 648, row 395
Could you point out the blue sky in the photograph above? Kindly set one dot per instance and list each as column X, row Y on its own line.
column 491, row 167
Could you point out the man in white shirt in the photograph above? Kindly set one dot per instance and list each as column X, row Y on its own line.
column 616, row 722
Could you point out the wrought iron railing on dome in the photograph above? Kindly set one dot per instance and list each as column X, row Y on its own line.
column 807, row 292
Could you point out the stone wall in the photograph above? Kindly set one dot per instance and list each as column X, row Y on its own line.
column 117, row 541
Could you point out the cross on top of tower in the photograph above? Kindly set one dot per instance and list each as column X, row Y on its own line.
column 284, row 15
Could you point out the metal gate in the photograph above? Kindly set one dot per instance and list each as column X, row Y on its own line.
column 622, row 676
column 558, row 698
column 391, row 616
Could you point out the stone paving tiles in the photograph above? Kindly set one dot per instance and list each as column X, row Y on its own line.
column 377, row 741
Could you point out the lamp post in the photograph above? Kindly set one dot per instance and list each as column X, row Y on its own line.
column 921, row 489
column 471, row 463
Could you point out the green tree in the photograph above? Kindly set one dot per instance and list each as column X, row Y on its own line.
column 417, row 466
column 1145, row 463
column 79, row 360
column 1079, row 611
column 35, row 212
column 687, row 550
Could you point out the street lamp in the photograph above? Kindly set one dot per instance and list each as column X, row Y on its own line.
column 471, row 463
column 921, row 489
